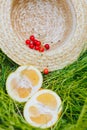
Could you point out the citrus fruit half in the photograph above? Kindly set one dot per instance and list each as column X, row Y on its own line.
column 43, row 109
column 23, row 83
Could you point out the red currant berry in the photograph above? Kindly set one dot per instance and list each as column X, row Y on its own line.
column 31, row 42
column 41, row 49
column 32, row 38
column 47, row 46
column 38, row 43
column 27, row 42
column 45, row 71
column 37, row 47
column 31, row 46
column 35, row 42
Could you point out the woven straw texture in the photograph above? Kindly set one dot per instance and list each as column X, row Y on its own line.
column 61, row 23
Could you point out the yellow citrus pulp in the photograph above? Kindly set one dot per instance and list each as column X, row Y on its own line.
column 23, row 83
column 43, row 109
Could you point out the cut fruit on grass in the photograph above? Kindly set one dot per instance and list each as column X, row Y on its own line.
column 43, row 109
column 23, row 83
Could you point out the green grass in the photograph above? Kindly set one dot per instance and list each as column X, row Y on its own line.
column 71, row 85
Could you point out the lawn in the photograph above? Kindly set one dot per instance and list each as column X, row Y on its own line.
column 70, row 84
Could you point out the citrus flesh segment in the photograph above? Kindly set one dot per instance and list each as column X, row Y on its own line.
column 33, row 111
column 32, row 76
column 47, row 99
column 42, row 119
column 31, row 73
column 37, row 117
column 23, row 92
column 20, row 90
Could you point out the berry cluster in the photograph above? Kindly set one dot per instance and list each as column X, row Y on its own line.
column 33, row 43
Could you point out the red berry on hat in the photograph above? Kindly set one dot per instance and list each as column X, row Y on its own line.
column 38, row 43
column 35, row 41
column 31, row 42
column 37, row 47
column 47, row 46
column 31, row 46
column 27, row 42
column 41, row 49
column 32, row 38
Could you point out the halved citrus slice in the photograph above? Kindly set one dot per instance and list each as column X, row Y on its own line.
column 23, row 83
column 43, row 109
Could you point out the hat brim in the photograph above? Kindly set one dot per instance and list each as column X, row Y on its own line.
column 55, row 59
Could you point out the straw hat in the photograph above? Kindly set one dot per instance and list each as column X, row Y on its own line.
column 61, row 23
